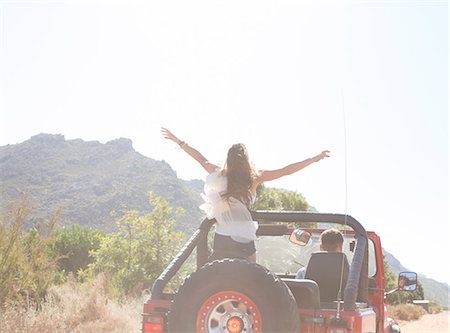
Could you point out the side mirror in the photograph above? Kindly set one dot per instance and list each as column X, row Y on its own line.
column 300, row 237
column 407, row 281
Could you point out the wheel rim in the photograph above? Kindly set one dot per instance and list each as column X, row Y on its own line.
column 229, row 312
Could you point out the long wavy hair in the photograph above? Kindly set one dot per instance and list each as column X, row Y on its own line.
column 240, row 174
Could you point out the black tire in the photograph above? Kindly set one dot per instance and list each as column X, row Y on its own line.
column 233, row 288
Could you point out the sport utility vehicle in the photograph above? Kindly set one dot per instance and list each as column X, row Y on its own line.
column 234, row 295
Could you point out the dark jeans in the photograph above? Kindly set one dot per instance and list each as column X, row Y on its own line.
column 226, row 247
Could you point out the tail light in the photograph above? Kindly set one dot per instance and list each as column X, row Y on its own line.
column 153, row 323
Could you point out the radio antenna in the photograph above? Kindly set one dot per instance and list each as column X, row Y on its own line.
column 339, row 296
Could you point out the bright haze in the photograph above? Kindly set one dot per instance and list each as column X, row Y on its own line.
column 366, row 80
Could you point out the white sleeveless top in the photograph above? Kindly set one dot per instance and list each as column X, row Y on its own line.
column 233, row 217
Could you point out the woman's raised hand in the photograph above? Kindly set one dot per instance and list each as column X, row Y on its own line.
column 321, row 156
column 169, row 135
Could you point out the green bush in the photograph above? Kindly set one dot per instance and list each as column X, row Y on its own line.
column 400, row 297
column 278, row 199
column 26, row 271
column 72, row 245
column 135, row 256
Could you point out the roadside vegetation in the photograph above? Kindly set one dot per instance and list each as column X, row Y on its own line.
column 409, row 311
column 76, row 279
column 400, row 304
column 406, row 312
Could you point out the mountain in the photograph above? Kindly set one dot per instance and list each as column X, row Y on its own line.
column 433, row 290
column 89, row 180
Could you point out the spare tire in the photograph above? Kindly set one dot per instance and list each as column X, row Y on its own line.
column 233, row 295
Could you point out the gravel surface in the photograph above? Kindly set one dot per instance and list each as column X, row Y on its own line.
column 429, row 323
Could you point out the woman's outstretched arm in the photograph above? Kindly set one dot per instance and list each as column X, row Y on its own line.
column 267, row 175
column 194, row 153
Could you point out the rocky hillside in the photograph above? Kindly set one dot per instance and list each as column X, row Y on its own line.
column 89, row 180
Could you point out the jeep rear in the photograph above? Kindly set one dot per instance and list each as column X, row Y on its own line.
column 233, row 295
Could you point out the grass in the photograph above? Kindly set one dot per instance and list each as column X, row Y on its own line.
column 76, row 308
column 89, row 308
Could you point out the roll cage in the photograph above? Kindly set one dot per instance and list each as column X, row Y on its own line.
column 273, row 223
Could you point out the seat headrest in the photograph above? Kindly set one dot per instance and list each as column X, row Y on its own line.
column 326, row 268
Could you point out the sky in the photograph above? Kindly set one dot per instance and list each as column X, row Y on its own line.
column 367, row 80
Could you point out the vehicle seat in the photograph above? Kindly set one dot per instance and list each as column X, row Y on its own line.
column 305, row 292
column 325, row 268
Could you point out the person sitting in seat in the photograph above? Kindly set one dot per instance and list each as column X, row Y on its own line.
column 328, row 267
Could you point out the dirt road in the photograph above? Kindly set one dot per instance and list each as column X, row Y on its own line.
column 429, row 323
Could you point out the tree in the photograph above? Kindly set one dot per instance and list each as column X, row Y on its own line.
column 390, row 278
column 278, row 199
column 26, row 271
column 269, row 198
column 400, row 297
column 144, row 245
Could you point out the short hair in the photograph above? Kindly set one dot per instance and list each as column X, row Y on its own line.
column 330, row 239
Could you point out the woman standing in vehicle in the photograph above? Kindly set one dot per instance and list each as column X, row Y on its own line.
column 230, row 193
